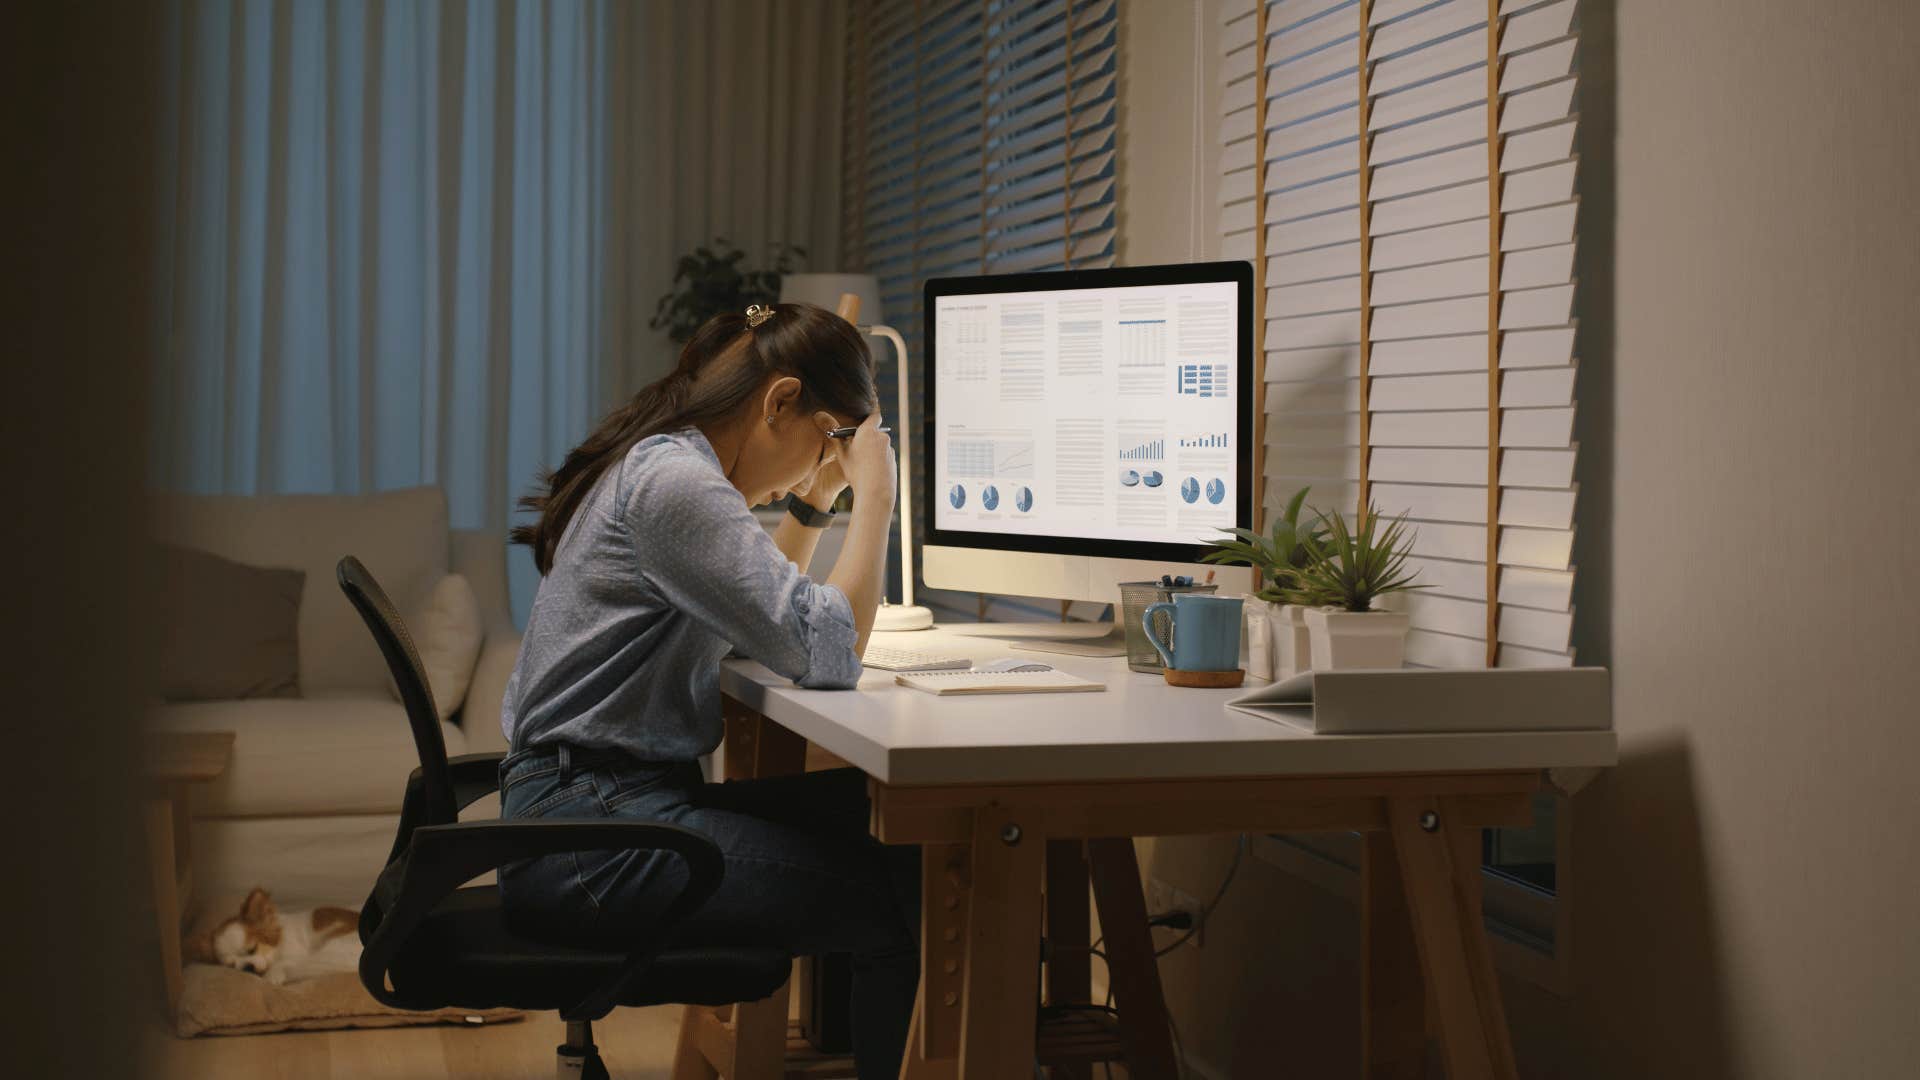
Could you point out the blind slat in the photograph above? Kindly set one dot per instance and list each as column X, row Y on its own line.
column 1338, row 260
column 1541, row 105
column 1541, row 65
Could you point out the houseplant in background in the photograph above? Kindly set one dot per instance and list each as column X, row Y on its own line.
column 712, row 278
column 1346, row 572
column 1277, row 560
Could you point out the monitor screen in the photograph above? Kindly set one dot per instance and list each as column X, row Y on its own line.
column 1101, row 412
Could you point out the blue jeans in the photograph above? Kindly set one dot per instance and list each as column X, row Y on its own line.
column 802, row 873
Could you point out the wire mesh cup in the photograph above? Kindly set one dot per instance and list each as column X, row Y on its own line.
column 1135, row 598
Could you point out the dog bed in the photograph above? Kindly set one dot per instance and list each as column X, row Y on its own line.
column 216, row 1000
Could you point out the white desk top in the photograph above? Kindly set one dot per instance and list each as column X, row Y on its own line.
column 1139, row 728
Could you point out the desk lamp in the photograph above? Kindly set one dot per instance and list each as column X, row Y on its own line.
column 850, row 294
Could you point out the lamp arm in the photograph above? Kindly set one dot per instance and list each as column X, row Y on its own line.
column 902, row 434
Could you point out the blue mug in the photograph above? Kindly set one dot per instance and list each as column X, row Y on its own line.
column 1204, row 632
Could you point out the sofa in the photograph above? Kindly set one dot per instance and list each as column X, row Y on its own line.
column 310, row 803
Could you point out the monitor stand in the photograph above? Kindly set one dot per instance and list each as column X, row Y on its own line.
column 1112, row 643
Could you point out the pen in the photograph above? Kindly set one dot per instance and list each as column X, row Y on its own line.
column 847, row 432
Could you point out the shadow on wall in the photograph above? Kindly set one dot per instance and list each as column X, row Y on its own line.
column 1649, row 972
column 1593, row 343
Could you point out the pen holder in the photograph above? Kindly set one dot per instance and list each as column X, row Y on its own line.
column 1135, row 598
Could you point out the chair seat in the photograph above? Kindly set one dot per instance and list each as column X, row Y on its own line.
column 464, row 956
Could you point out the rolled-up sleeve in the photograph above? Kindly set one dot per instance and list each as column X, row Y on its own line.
column 707, row 555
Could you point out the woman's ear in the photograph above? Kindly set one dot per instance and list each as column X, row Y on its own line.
column 782, row 393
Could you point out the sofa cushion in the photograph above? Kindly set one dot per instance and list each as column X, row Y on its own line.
column 446, row 634
column 225, row 630
column 305, row 755
column 401, row 536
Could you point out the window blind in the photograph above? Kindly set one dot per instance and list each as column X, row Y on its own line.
column 1402, row 174
column 979, row 139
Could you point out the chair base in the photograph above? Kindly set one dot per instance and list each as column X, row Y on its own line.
column 578, row 1058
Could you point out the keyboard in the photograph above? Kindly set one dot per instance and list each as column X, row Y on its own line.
column 886, row 659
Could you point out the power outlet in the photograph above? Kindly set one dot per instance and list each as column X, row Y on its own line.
column 1162, row 898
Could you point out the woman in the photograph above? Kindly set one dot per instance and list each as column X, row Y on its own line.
column 653, row 570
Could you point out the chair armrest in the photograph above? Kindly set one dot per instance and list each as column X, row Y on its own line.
column 441, row 858
column 474, row 777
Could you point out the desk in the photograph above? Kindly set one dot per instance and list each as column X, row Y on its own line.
column 1005, row 792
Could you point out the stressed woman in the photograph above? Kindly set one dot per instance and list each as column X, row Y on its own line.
column 653, row 570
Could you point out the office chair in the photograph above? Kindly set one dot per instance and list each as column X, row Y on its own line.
column 431, row 944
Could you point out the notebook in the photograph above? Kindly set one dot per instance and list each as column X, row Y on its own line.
column 999, row 677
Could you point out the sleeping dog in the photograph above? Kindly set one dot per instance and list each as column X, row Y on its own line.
column 296, row 945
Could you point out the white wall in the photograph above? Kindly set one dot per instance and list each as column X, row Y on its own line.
column 1742, row 884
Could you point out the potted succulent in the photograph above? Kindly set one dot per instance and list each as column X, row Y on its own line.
column 1277, row 560
column 1346, row 572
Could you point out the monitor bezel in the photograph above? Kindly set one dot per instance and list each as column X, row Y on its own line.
column 1239, row 273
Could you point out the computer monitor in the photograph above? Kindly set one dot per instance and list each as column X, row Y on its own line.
column 1085, row 427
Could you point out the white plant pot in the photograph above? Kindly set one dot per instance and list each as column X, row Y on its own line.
column 1291, row 653
column 1345, row 640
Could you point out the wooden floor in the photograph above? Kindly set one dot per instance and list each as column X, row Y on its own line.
column 636, row 1043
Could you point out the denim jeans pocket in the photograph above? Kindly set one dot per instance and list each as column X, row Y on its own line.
column 570, row 800
column 619, row 785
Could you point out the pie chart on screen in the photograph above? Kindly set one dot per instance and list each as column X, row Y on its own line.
column 1023, row 499
column 990, row 498
column 958, row 496
column 1216, row 491
column 1190, row 489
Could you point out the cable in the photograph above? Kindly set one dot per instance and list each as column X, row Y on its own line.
column 1205, row 913
column 1199, row 923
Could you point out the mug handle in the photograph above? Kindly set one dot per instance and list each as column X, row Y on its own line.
column 1146, row 624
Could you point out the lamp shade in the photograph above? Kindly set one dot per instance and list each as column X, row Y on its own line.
column 825, row 289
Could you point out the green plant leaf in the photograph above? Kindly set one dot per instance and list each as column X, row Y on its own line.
column 1292, row 515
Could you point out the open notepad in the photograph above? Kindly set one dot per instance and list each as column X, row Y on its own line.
column 999, row 677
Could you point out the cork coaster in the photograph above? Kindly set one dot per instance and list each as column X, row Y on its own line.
column 1205, row 680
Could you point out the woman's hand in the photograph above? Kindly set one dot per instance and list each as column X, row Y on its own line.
column 860, row 572
column 868, row 464
column 827, row 485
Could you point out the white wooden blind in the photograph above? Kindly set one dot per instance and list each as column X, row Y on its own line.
column 979, row 139
column 1402, row 173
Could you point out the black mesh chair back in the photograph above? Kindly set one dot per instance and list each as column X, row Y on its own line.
column 403, row 660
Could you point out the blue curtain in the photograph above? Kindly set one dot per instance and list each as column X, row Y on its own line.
column 385, row 249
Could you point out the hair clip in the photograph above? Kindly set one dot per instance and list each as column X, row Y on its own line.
column 758, row 313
